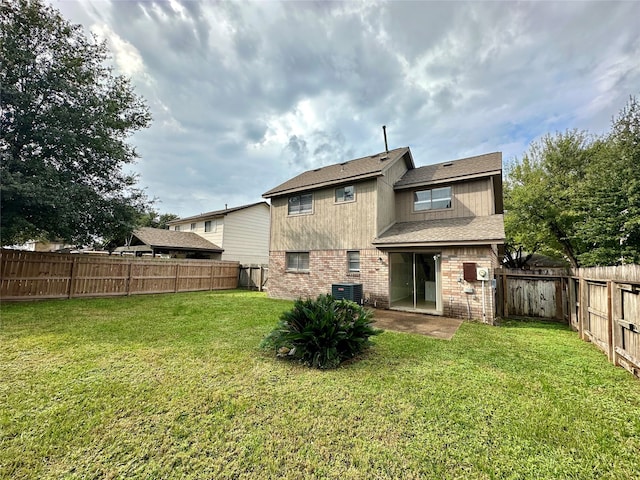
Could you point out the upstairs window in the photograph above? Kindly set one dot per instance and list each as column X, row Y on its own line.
column 434, row 199
column 298, row 261
column 345, row 194
column 353, row 261
column 193, row 226
column 177, row 228
column 211, row 226
column 300, row 204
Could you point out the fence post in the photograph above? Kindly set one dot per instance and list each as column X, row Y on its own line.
column 584, row 306
column 72, row 276
column 610, row 343
column 175, row 290
column 559, row 302
column 505, row 300
column 129, row 278
column 213, row 271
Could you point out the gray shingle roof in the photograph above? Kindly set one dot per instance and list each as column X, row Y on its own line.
column 215, row 213
column 358, row 169
column 481, row 165
column 160, row 238
column 453, row 231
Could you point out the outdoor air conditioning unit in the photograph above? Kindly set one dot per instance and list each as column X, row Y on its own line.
column 347, row 291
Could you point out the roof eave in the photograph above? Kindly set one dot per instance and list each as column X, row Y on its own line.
column 215, row 213
column 318, row 186
column 190, row 249
column 444, row 243
column 460, row 178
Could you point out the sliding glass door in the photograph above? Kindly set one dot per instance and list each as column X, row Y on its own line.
column 415, row 282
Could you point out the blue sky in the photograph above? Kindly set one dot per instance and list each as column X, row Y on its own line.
column 245, row 95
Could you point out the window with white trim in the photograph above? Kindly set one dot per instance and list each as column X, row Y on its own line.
column 177, row 228
column 346, row 194
column 301, row 204
column 434, row 199
column 211, row 226
column 353, row 261
column 297, row 261
column 193, row 226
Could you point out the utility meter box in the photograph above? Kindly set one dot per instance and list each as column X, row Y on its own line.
column 482, row 273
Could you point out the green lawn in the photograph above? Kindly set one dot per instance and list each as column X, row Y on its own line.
column 174, row 386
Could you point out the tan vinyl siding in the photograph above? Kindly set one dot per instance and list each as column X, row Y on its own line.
column 387, row 197
column 214, row 237
column 246, row 235
column 347, row 225
column 469, row 199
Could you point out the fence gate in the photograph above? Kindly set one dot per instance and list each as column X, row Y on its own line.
column 253, row 277
column 626, row 308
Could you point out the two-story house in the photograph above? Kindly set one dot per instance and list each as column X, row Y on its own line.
column 417, row 239
column 242, row 232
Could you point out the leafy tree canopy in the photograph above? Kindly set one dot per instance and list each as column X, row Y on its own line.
column 576, row 196
column 64, row 127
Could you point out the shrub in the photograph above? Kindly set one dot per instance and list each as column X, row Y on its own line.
column 322, row 333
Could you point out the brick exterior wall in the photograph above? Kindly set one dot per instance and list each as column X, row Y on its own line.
column 327, row 267
column 455, row 302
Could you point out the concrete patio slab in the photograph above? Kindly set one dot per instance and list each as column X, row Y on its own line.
column 422, row 324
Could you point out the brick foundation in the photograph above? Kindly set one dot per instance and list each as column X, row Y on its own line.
column 327, row 267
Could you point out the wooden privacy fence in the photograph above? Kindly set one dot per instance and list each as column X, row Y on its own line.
column 531, row 293
column 602, row 304
column 253, row 277
column 31, row 275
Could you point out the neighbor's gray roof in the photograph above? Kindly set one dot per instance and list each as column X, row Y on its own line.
column 358, row 169
column 215, row 213
column 465, row 168
column 451, row 231
column 161, row 238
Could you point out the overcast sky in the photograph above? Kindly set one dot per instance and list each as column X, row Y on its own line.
column 245, row 95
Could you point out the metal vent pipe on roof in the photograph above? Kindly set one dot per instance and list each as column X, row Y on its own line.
column 384, row 131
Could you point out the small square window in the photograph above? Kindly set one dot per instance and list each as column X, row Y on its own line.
column 211, row 226
column 353, row 261
column 298, row 261
column 177, row 228
column 345, row 194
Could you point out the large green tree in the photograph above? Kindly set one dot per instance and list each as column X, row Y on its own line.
column 66, row 119
column 541, row 193
column 578, row 197
column 610, row 194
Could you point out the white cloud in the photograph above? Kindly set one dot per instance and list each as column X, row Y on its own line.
column 126, row 56
column 245, row 95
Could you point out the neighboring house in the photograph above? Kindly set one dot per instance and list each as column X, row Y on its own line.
column 242, row 232
column 415, row 238
column 167, row 243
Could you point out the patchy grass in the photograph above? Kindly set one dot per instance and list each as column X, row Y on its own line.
column 175, row 386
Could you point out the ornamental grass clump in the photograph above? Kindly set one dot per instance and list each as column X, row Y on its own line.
column 322, row 333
